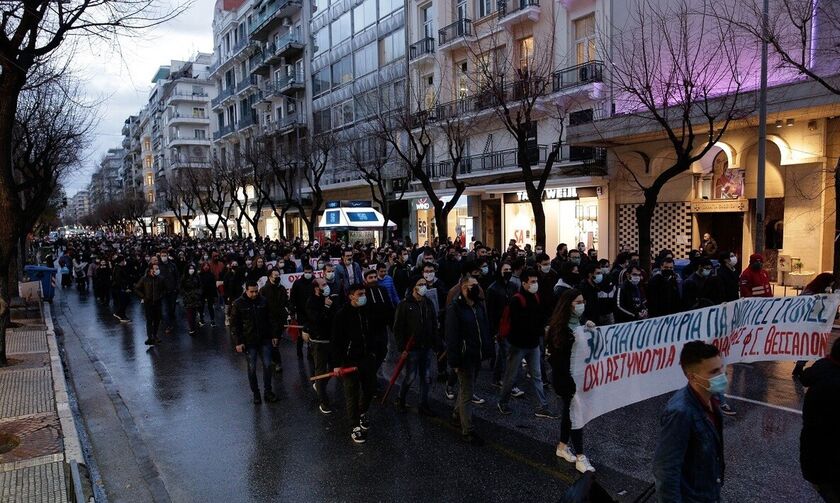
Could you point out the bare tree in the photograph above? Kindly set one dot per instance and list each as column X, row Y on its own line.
column 136, row 207
column 181, row 199
column 369, row 157
column 677, row 69
column 33, row 32
column 279, row 175
column 309, row 162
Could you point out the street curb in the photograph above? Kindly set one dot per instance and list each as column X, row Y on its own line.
column 72, row 445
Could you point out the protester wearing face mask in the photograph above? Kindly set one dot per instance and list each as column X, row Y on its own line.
column 234, row 278
column 301, row 292
column 353, row 346
column 400, row 271
column 701, row 289
column 498, row 296
column 466, row 332
column 434, row 284
column 416, row 335
column 754, row 281
column 191, row 296
column 568, row 316
column 607, row 292
column 589, row 290
column 548, row 278
column 688, row 464
column 169, row 275
column 663, row 290
column 728, row 273
column 209, row 294
column 320, row 311
column 631, row 300
column 527, row 329
column 277, row 302
column 569, row 278
column 151, row 291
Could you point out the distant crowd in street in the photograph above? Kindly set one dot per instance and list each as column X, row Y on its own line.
column 440, row 309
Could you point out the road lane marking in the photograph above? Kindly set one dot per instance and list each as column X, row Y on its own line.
column 772, row 406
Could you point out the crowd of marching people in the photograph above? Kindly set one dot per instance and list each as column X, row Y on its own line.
column 438, row 311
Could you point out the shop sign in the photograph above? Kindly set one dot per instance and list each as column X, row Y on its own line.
column 422, row 204
column 720, row 206
column 560, row 193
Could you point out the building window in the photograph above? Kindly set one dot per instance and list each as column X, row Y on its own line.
column 198, row 113
column 322, row 40
column 147, row 144
column 364, row 60
column 366, row 104
column 427, row 17
column 386, row 7
column 430, row 96
column 342, row 71
column 147, row 162
column 197, row 91
column 581, row 117
column 321, row 81
column 585, row 39
column 526, row 55
column 199, row 134
column 321, row 120
column 393, row 95
column 341, row 28
column 486, row 7
column 150, row 197
column 393, row 47
column 342, row 114
column 364, row 15
column 149, row 180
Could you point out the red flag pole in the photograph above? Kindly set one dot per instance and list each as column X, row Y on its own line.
column 337, row 372
column 400, row 363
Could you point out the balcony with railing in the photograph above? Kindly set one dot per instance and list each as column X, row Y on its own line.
column 214, row 66
column 289, row 84
column 247, row 120
column 511, row 94
column 223, row 131
column 513, row 12
column 290, row 45
column 224, row 94
column 578, row 75
column 247, row 82
column 180, row 118
column 270, row 15
column 455, row 35
column 285, row 125
column 183, row 162
column 422, row 50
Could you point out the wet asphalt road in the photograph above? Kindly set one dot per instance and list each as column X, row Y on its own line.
column 186, row 426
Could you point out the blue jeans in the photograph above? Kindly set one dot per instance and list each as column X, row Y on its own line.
column 264, row 352
column 417, row 365
column 533, row 359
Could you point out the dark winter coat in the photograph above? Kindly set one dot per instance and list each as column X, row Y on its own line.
column 467, row 334
column 191, row 291
column 415, row 319
column 819, row 451
column 351, row 340
column 249, row 321
column 208, row 284
column 498, row 296
column 278, row 301
column 527, row 323
column 150, row 289
column 320, row 318
column 664, row 295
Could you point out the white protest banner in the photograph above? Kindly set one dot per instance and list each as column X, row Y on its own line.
column 287, row 279
column 618, row 365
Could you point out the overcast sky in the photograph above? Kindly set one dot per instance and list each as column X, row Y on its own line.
column 119, row 80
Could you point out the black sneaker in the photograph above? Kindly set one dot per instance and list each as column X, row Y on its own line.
column 270, row 397
column 449, row 393
column 359, row 436
column 200, row 323
column 545, row 413
column 192, row 333
column 213, row 324
column 496, row 384
column 726, row 410
column 278, row 368
column 150, row 342
column 325, row 409
column 118, row 317
column 257, row 399
column 473, row 439
column 363, row 422
column 504, row 409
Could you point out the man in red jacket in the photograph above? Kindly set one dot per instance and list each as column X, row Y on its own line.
column 754, row 280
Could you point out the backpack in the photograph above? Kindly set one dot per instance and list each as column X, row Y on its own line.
column 504, row 323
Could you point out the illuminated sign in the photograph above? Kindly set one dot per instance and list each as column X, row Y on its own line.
column 561, row 193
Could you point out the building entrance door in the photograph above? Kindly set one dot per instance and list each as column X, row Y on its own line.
column 727, row 229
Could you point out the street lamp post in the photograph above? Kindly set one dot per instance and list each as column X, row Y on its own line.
column 762, row 136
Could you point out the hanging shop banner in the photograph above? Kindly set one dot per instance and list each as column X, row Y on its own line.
column 619, row 365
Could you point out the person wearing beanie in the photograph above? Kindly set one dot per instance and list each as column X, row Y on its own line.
column 754, row 280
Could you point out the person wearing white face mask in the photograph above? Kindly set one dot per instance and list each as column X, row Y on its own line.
column 567, row 317
column 151, row 291
column 631, row 302
column 320, row 311
column 191, row 293
column 688, row 464
column 729, row 273
column 548, row 277
column 415, row 334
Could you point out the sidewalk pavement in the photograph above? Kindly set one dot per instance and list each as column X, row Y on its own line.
column 40, row 453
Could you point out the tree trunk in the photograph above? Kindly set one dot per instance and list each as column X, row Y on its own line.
column 644, row 217
column 442, row 222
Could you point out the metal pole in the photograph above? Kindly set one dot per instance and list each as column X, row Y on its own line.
column 762, row 136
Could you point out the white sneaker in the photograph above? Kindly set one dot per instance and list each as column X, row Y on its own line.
column 516, row 392
column 565, row 452
column 583, row 465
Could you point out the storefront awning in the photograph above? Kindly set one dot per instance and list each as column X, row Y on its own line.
column 345, row 219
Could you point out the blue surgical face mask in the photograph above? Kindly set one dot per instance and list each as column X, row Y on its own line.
column 361, row 301
column 717, row 384
column 599, row 278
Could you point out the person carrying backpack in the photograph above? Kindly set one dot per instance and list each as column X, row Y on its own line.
column 526, row 328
